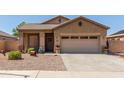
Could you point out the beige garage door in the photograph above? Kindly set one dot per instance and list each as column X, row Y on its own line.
column 80, row 44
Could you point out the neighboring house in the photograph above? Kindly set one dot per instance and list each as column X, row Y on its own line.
column 7, row 42
column 79, row 35
column 116, row 42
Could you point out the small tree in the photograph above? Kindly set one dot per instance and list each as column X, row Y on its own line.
column 15, row 30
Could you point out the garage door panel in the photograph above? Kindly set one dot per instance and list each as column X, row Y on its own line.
column 80, row 46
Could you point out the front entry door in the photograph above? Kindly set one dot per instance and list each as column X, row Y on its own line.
column 33, row 41
column 49, row 42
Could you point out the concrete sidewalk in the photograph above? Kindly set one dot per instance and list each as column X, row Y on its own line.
column 73, row 74
column 18, row 74
column 59, row 74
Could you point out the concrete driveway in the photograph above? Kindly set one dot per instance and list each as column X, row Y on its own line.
column 78, row 66
column 93, row 62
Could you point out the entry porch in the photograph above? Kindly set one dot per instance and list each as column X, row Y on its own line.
column 37, row 40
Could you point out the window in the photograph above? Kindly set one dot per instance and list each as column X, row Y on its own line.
column 83, row 37
column 93, row 37
column 74, row 37
column 65, row 37
column 80, row 23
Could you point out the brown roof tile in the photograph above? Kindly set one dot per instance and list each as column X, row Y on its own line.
column 6, row 34
column 37, row 26
column 119, row 32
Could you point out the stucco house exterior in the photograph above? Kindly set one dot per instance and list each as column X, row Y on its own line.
column 116, row 42
column 8, row 42
column 78, row 35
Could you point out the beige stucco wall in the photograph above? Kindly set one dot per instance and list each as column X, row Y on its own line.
column 21, row 37
column 12, row 45
column 9, row 44
column 42, row 40
column 87, row 28
column 2, row 45
column 116, row 44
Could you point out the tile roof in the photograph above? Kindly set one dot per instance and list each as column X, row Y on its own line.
column 41, row 26
column 36, row 26
column 6, row 34
column 119, row 32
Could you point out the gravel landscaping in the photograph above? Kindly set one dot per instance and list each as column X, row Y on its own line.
column 42, row 62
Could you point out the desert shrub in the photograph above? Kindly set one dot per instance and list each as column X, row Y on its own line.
column 30, row 49
column 14, row 55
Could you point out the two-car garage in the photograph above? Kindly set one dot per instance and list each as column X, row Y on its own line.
column 80, row 44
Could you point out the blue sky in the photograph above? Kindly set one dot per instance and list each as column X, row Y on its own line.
column 8, row 22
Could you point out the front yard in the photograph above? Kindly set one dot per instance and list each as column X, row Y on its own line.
column 42, row 62
column 65, row 62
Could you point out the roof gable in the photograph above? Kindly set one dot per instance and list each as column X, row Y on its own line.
column 48, row 25
column 56, row 20
column 83, row 18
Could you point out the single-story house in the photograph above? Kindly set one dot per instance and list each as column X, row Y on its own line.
column 116, row 42
column 8, row 42
column 78, row 35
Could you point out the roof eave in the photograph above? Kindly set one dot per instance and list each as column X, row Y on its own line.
column 8, row 36
column 119, row 35
column 33, row 29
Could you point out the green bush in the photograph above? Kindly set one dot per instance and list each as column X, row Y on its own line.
column 14, row 55
column 30, row 49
